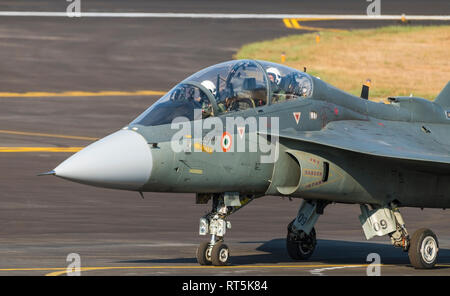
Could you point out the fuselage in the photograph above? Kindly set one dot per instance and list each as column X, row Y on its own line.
column 246, row 156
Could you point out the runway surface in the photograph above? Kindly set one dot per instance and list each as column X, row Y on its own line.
column 43, row 219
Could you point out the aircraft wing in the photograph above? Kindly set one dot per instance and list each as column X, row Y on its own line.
column 401, row 140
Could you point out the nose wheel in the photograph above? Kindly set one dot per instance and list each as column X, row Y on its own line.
column 204, row 254
column 220, row 254
column 215, row 223
column 216, row 254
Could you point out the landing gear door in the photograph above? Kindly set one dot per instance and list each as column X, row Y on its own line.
column 377, row 222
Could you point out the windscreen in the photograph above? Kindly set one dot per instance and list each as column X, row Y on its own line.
column 235, row 85
column 220, row 89
column 181, row 101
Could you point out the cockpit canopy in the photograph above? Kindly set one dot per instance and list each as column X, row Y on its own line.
column 228, row 87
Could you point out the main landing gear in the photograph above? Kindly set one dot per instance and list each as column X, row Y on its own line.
column 422, row 247
column 301, row 238
column 215, row 251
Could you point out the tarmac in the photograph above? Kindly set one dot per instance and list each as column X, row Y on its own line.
column 44, row 219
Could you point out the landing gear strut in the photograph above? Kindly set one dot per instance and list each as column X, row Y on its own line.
column 422, row 247
column 215, row 251
column 301, row 238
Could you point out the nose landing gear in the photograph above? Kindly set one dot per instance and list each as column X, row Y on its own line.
column 215, row 251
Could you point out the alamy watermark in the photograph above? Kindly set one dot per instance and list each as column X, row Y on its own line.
column 374, row 8
column 210, row 135
column 74, row 267
column 74, row 8
column 374, row 268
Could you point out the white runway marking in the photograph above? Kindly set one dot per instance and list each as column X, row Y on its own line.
column 166, row 245
column 319, row 271
column 227, row 15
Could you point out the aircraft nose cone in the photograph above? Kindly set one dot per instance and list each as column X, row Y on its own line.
column 122, row 160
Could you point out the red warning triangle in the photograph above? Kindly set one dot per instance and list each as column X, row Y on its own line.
column 297, row 116
column 241, row 131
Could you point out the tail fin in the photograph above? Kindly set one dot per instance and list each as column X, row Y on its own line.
column 443, row 98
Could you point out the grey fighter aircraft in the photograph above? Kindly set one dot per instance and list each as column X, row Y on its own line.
column 244, row 129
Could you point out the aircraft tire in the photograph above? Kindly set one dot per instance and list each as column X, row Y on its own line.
column 423, row 250
column 203, row 254
column 301, row 249
column 220, row 254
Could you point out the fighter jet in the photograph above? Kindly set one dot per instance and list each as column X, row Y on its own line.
column 244, row 129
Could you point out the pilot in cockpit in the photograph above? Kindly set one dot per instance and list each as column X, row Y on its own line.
column 297, row 84
column 274, row 76
column 204, row 102
column 288, row 87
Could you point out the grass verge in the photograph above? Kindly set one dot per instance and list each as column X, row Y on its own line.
column 400, row 60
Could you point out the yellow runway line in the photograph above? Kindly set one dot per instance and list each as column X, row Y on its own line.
column 40, row 149
column 56, row 271
column 61, row 272
column 294, row 24
column 46, row 135
column 81, row 94
column 287, row 23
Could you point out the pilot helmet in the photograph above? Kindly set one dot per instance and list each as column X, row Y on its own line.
column 210, row 86
column 275, row 73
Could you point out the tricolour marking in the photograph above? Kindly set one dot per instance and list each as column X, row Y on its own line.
column 297, row 116
column 226, row 142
